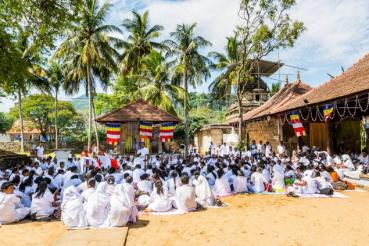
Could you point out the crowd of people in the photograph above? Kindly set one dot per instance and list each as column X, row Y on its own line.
column 105, row 191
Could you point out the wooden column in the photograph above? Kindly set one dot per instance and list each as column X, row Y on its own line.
column 330, row 132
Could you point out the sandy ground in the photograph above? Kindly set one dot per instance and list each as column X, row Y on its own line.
column 249, row 220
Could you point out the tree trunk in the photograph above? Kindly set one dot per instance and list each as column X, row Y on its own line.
column 186, row 122
column 240, row 117
column 21, row 118
column 95, row 126
column 89, row 91
column 56, row 119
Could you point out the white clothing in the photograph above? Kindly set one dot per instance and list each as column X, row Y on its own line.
column 240, row 184
column 145, row 186
column 258, row 182
column 42, row 206
column 97, row 206
column 10, row 209
column 73, row 214
column 221, row 187
column 160, row 202
column 203, row 192
column 120, row 207
column 173, row 186
column 185, row 198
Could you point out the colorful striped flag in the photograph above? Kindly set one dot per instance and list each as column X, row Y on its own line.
column 328, row 111
column 167, row 131
column 113, row 133
column 145, row 129
column 297, row 124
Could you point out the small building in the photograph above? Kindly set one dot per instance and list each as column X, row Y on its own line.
column 30, row 132
column 129, row 117
column 216, row 133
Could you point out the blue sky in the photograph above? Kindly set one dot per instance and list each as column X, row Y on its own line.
column 337, row 32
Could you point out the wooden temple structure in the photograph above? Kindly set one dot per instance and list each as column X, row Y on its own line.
column 345, row 129
column 129, row 118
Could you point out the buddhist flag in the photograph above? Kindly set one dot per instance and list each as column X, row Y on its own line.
column 113, row 133
column 167, row 131
column 328, row 111
column 145, row 129
column 297, row 124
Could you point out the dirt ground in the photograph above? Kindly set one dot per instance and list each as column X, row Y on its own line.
column 249, row 220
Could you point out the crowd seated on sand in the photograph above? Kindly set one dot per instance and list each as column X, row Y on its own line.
column 106, row 191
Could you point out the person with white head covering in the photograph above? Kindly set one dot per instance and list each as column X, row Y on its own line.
column 72, row 209
column 97, row 207
column 204, row 195
column 120, row 207
column 11, row 209
column 221, row 187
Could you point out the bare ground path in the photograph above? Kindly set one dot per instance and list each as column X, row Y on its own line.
column 249, row 220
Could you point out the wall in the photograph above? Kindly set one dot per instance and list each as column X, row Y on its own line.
column 204, row 137
column 266, row 131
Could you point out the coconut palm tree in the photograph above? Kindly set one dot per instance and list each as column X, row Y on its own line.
column 156, row 83
column 221, row 87
column 139, row 43
column 88, row 53
column 191, row 66
column 275, row 88
column 56, row 81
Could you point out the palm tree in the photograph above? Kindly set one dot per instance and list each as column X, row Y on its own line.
column 221, row 87
column 157, row 87
column 275, row 88
column 88, row 53
column 139, row 43
column 191, row 66
column 56, row 81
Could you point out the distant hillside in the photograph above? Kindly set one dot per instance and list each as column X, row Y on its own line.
column 80, row 103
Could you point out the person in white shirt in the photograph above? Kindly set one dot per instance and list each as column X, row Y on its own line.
column 11, row 209
column 221, row 187
column 159, row 198
column 73, row 215
column 97, row 206
column 185, row 199
column 257, row 181
column 204, row 195
column 278, row 177
column 40, row 151
column 268, row 149
column 240, row 183
column 281, row 149
column 173, row 183
column 43, row 203
column 136, row 174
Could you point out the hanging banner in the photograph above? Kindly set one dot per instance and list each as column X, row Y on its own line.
column 113, row 133
column 328, row 111
column 297, row 124
column 145, row 129
column 167, row 131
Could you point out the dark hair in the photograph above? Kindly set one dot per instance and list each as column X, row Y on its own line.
column 75, row 176
column 16, row 180
column 185, row 179
column 110, row 180
column 159, row 186
column 26, row 182
column 6, row 185
column 144, row 176
column 129, row 180
column 98, row 178
column 126, row 175
column 91, row 183
column 41, row 189
column 220, row 173
column 73, row 169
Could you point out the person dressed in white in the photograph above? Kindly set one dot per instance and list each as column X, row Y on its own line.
column 98, row 205
column 40, row 151
column 221, row 187
column 240, row 183
column 11, row 209
column 257, row 181
column 159, row 199
column 73, row 215
column 173, row 183
column 278, row 178
column 131, row 194
column 43, row 202
column 204, row 195
column 120, row 210
column 281, row 149
column 185, row 200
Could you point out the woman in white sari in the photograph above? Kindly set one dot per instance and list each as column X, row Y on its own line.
column 159, row 199
column 98, row 205
column 204, row 196
column 72, row 209
column 221, row 187
column 120, row 209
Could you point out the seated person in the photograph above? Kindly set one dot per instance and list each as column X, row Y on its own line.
column 120, row 207
column 204, row 196
column 159, row 198
column 11, row 209
column 73, row 215
column 185, row 199
column 44, row 203
column 97, row 206
column 221, row 187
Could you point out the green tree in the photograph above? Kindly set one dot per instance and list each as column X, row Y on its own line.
column 265, row 27
column 221, row 87
column 140, row 42
column 191, row 66
column 39, row 109
column 156, row 83
column 88, row 54
column 6, row 122
column 275, row 87
column 56, row 81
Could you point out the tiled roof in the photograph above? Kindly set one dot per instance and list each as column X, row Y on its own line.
column 28, row 128
column 353, row 81
column 285, row 95
column 139, row 110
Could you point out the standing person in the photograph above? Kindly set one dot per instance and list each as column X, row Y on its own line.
column 40, row 151
column 268, row 149
column 254, row 149
column 212, row 148
column 281, row 148
column 11, row 209
column 185, row 196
